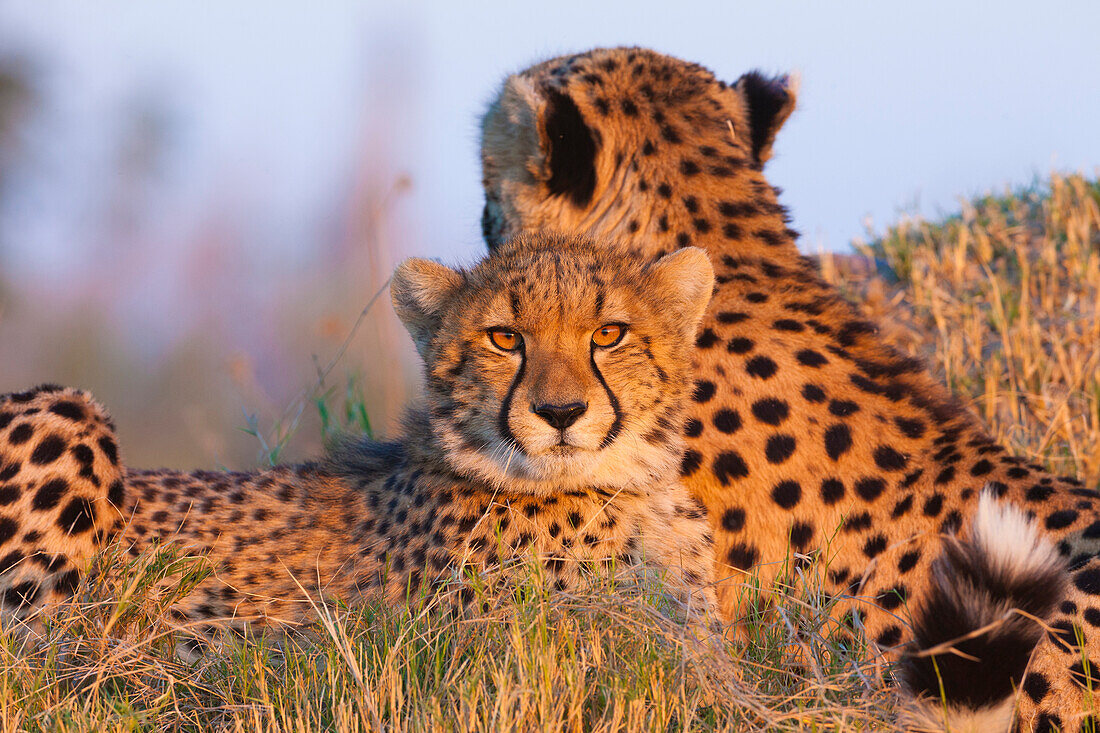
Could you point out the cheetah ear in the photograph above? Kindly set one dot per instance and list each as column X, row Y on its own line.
column 686, row 278
column 770, row 101
column 420, row 290
column 557, row 146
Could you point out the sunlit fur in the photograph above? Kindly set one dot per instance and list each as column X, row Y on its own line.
column 463, row 491
column 556, row 291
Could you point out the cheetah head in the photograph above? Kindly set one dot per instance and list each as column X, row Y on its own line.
column 598, row 143
column 556, row 363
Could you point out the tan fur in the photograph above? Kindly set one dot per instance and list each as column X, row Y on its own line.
column 807, row 433
column 454, row 494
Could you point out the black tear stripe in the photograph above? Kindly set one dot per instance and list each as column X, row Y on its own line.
column 617, row 425
column 506, row 406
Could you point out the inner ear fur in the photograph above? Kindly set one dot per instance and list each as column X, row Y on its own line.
column 420, row 289
column 686, row 277
column 558, row 147
column 769, row 101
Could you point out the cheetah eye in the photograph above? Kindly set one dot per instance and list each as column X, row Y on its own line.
column 609, row 335
column 505, row 339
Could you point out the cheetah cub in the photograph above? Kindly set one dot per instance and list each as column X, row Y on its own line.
column 556, row 371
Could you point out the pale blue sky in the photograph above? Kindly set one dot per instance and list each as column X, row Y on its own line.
column 278, row 102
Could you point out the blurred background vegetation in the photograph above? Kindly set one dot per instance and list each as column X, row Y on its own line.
column 196, row 206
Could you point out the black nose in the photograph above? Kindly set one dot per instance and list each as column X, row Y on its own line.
column 560, row 416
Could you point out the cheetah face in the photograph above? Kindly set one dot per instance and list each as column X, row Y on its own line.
column 556, row 363
column 590, row 143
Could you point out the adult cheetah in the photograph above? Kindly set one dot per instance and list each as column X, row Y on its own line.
column 556, row 375
column 807, row 433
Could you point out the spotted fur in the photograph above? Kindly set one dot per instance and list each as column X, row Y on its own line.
column 477, row 479
column 807, row 434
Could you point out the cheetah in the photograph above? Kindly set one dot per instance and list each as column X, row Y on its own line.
column 556, row 376
column 808, row 436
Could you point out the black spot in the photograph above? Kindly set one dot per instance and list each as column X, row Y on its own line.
column 1088, row 581
column 68, row 409
column 78, row 516
column 832, row 491
column 704, row 391
column 10, row 471
column 756, row 297
column 761, row 367
column 706, row 339
column 843, row 408
column 838, row 440
column 729, row 465
column 902, row 507
column 890, row 637
column 945, row 476
column 811, row 358
column 787, row 324
column 857, row 522
column 933, row 505
column 908, row 561
column 910, row 428
column 727, row 421
column 629, row 108
column 813, row 393
column 892, row 598
column 20, row 434
column 731, row 317
column 779, row 448
column 981, row 468
column 1036, row 686
column 110, row 449
column 889, row 459
column 1092, row 616
column 733, row 520
column 49, row 494
column 771, row 410
column 870, row 489
column 693, row 428
column 801, row 534
column 8, row 528
column 787, row 494
column 874, row 546
column 1061, row 519
column 742, row 556
column 739, row 345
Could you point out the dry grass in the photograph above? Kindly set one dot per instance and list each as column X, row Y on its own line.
column 1004, row 301
column 610, row 660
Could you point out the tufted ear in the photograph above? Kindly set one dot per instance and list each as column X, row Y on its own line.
column 420, row 289
column 770, row 102
column 687, row 278
column 546, row 126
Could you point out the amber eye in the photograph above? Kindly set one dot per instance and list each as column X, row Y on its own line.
column 608, row 335
column 505, row 339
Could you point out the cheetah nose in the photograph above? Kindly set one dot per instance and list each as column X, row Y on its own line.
column 560, row 416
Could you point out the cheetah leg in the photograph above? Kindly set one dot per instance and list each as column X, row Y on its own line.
column 1062, row 685
column 678, row 543
column 61, row 489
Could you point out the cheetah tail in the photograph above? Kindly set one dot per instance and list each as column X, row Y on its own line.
column 970, row 647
